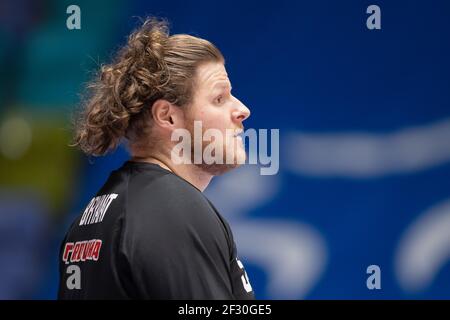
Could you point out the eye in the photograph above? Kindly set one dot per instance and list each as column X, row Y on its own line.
column 219, row 99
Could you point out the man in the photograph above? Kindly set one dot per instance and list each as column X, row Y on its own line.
column 150, row 233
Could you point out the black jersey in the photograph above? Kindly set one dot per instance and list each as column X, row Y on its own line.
column 148, row 234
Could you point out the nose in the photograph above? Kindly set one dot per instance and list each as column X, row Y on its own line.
column 241, row 112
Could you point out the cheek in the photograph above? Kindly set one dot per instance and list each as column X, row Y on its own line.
column 211, row 116
column 215, row 118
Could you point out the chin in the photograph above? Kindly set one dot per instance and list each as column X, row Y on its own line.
column 241, row 156
column 217, row 169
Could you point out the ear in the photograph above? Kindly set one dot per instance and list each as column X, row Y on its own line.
column 165, row 115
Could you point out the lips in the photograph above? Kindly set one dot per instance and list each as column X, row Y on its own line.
column 239, row 137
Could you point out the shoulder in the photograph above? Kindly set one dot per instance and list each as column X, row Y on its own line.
column 161, row 206
column 151, row 194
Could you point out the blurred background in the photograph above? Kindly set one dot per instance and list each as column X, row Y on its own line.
column 364, row 119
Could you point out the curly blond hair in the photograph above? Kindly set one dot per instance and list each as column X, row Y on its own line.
column 152, row 65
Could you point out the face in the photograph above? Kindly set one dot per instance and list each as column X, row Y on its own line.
column 214, row 105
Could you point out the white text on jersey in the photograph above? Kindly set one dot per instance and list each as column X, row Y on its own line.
column 96, row 209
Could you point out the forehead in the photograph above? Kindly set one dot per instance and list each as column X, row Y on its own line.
column 208, row 74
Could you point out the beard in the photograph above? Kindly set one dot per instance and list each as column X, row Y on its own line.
column 233, row 153
column 224, row 166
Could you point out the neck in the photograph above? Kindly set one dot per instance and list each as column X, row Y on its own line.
column 189, row 172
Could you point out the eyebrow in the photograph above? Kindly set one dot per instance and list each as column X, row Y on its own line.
column 223, row 84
